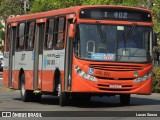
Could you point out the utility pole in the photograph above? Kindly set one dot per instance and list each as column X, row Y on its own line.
column 149, row 4
column 25, row 5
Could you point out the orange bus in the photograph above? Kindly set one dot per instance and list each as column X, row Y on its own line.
column 79, row 52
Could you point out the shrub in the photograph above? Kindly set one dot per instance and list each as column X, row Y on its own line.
column 156, row 80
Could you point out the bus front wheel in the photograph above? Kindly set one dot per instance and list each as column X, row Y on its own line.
column 125, row 99
column 63, row 96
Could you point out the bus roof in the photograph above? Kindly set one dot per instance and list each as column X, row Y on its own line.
column 67, row 11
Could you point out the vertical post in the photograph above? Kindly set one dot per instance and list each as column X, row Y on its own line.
column 25, row 6
column 149, row 4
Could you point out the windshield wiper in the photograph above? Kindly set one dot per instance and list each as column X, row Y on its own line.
column 128, row 36
column 130, row 33
column 100, row 32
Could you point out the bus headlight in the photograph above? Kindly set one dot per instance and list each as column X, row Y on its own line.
column 81, row 73
column 145, row 77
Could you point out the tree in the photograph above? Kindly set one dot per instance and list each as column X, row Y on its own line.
column 10, row 7
column 156, row 18
column 2, row 35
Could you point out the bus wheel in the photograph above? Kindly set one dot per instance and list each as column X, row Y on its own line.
column 81, row 97
column 125, row 99
column 63, row 96
column 26, row 95
column 37, row 97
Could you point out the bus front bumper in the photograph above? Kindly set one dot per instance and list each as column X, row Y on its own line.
column 112, row 86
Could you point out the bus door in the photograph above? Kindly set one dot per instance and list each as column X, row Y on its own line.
column 68, row 57
column 38, row 54
column 12, row 53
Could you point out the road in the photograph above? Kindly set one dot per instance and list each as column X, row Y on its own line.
column 11, row 101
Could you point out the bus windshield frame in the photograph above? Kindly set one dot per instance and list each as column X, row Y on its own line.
column 118, row 43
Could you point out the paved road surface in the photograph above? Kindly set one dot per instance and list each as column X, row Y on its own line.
column 10, row 101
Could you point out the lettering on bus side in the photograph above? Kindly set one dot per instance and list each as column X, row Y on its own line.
column 50, row 62
column 53, row 55
column 22, row 57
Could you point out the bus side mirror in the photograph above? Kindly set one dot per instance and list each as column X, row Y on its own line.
column 154, row 39
column 72, row 31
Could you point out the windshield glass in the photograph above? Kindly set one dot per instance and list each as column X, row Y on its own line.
column 113, row 43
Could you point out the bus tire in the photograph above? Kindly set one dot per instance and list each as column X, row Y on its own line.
column 63, row 96
column 37, row 97
column 83, row 97
column 26, row 95
column 125, row 99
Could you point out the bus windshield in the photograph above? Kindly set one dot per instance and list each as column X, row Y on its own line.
column 125, row 43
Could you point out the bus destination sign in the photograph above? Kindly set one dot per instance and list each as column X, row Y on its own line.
column 115, row 14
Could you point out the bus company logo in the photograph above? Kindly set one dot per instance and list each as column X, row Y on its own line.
column 91, row 70
column 135, row 74
column 6, row 114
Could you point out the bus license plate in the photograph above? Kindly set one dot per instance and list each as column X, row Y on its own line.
column 115, row 86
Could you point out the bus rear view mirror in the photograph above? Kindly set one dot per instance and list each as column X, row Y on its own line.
column 154, row 42
column 72, row 30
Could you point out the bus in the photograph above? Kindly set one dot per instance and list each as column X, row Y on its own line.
column 78, row 52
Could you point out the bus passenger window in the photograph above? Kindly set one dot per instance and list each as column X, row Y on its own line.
column 8, row 37
column 59, row 43
column 30, row 36
column 49, row 34
column 20, row 39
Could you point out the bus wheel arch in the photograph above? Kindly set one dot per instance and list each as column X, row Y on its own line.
column 63, row 96
column 26, row 95
column 19, row 78
column 56, row 79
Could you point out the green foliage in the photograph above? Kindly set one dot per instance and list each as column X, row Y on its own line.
column 2, row 32
column 44, row 5
column 156, row 80
column 2, row 35
column 10, row 7
column 156, row 11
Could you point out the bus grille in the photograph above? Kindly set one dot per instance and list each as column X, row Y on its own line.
column 113, row 67
column 107, row 88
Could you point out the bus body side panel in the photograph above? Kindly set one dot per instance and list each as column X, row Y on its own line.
column 29, row 79
column 5, row 78
column 5, row 69
column 52, row 60
column 47, row 80
column 15, row 78
column 24, row 62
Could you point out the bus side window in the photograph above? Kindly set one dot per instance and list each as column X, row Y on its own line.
column 8, row 37
column 20, row 38
column 49, row 34
column 30, row 36
column 59, row 40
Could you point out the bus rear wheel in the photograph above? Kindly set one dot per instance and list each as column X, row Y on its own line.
column 26, row 95
column 125, row 99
